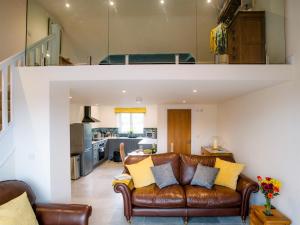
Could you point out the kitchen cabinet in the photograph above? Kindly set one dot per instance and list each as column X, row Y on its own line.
column 113, row 145
column 86, row 162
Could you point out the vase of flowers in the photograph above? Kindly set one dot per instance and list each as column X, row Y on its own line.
column 270, row 188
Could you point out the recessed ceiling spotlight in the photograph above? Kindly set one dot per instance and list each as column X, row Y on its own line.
column 111, row 3
column 208, row 1
column 138, row 100
column 68, row 5
column 162, row 2
column 184, row 101
column 195, row 91
column 124, row 91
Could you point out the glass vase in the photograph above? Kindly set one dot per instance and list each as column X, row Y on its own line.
column 268, row 206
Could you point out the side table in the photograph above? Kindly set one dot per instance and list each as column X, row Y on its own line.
column 257, row 217
column 210, row 152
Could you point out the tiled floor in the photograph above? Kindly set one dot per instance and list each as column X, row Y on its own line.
column 96, row 190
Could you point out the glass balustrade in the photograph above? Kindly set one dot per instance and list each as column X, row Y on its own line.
column 1, row 100
column 119, row 32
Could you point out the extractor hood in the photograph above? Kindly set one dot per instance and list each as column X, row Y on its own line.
column 87, row 118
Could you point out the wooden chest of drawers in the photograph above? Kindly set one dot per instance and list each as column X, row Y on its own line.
column 257, row 217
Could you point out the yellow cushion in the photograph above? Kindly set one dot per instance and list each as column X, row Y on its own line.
column 228, row 174
column 141, row 173
column 128, row 183
column 17, row 212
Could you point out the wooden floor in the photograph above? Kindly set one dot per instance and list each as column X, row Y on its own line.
column 95, row 189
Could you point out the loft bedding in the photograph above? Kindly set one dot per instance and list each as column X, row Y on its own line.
column 160, row 58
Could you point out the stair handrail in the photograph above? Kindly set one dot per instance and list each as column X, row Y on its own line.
column 12, row 58
column 39, row 51
column 42, row 41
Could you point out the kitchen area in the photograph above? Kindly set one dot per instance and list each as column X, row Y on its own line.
column 92, row 142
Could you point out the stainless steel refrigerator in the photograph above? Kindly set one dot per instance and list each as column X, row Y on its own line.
column 81, row 143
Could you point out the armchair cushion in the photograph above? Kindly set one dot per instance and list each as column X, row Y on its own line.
column 17, row 211
column 63, row 214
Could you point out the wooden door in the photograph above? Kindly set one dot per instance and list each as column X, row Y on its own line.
column 179, row 131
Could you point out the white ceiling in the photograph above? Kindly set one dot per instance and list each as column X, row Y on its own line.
column 161, row 92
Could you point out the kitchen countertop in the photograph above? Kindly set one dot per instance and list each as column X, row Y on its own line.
column 148, row 141
column 124, row 138
column 143, row 140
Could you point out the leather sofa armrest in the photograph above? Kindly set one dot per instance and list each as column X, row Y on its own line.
column 126, row 193
column 246, row 187
column 62, row 214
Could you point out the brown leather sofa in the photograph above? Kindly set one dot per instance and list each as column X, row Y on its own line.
column 46, row 214
column 185, row 200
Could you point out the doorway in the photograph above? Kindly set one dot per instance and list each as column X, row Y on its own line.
column 179, row 131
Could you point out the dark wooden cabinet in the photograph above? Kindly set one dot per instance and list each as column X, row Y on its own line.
column 247, row 39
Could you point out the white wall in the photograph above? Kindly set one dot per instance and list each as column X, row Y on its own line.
column 32, row 133
column 262, row 128
column 275, row 28
column 7, row 164
column 37, row 22
column 258, row 129
column 106, row 114
column 13, row 27
column 60, row 145
column 204, row 125
column 76, row 113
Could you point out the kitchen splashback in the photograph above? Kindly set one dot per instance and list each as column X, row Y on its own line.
column 114, row 131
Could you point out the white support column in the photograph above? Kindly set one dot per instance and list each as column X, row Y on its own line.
column 177, row 59
column 127, row 59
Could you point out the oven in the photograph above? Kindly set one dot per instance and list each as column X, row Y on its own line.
column 99, row 151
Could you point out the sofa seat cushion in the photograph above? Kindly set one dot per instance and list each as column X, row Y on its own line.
column 217, row 197
column 152, row 197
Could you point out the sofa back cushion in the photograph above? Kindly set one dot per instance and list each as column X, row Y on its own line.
column 159, row 159
column 13, row 188
column 188, row 165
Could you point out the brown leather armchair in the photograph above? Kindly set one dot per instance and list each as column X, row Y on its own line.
column 46, row 214
column 185, row 200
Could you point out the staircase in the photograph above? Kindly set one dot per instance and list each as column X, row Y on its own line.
column 7, row 71
column 42, row 53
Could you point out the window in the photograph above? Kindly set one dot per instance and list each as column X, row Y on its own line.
column 128, row 122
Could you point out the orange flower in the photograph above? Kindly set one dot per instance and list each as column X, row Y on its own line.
column 276, row 189
column 270, row 195
column 259, row 178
